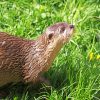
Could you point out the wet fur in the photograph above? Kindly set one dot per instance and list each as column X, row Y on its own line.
column 24, row 60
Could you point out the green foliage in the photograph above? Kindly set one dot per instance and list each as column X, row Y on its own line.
column 73, row 75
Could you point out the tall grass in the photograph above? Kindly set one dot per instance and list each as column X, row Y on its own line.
column 75, row 73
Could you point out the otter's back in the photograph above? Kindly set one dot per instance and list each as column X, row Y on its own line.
column 12, row 58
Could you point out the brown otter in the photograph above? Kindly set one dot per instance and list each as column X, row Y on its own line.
column 26, row 60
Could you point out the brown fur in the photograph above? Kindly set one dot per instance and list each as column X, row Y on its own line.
column 25, row 60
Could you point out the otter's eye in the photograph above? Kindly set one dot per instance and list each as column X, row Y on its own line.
column 50, row 35
column 62, row 29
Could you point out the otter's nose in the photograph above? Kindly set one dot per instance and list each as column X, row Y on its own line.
column 71, row 26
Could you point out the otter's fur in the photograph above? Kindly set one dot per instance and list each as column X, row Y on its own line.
column 26, row 60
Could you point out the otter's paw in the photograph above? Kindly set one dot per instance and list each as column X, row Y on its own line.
column 3, row 94
column 44, row 80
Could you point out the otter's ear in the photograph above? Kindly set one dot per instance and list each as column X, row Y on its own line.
column 50, row 35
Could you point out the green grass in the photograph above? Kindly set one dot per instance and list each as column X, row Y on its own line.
column 72, row 75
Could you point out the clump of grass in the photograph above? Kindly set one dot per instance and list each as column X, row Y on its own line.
column 74, row 74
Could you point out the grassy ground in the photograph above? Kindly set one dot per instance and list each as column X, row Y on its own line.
column 75, row 73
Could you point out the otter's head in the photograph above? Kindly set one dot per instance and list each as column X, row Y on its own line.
column 54, row 38
column 59, row 33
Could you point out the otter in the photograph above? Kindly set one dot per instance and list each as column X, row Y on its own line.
column 23, row 60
